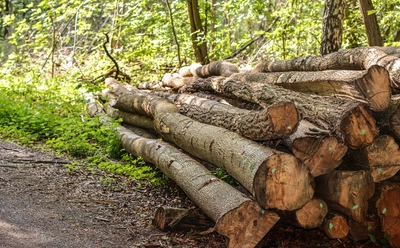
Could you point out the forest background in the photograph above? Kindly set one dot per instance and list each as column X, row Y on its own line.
column 52, row 57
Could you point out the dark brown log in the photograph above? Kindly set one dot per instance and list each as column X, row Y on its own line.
column 361, row 230
column 389, row 120
column 371, row 86
column 347, row 192
column 389, row 212
column 320, row 152
column 218, row 68
column 335, row 226
column 310, row 216
column 360, row 58
column 351, row 121
column 381, row 158
column 267, row 173
column 237, row 217
column 181, row 219
column 276, row 121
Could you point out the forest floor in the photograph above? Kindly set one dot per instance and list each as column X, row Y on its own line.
column 42, row 204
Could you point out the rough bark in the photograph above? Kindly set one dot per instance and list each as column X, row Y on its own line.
column 371, row 86
column 347, row 192
column 360, row 58
column 181, row 219
column 370, row 22
column 265, row 172
column 276, row 121
column 335, row 226
column 320, row 152
column 388, row 209
column 332, row 28
column 237, row 217
column 391, row 50
column 130, row 118
column 310, row 216
column 351, row 121
column 217, row 68
column 381, row 158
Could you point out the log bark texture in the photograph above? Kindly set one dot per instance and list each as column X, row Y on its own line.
column 320, row 152
column 351, row 121
column 389, row 212
column 381, row 158
column 332, row 27
column 389, row 120
column 237, row 217
column 217, row 68
column 371, row 86
column 276, row 121
column 347, row 192
column 130, row 118
column 360, row 58
column 276, row 179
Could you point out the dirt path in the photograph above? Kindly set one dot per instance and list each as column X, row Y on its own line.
column 43, row 205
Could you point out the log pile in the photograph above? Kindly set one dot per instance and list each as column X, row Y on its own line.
column 313, row 141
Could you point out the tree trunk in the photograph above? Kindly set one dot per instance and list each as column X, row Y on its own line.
column 277, row 121
column 332, row 26
column 371, row 86
column 347, row 192
column 263, row 171
column 130, row 118
column 381, row 158
column 217, row 68
column 197, row 32
column 388, row 209
column 350, row 120
column 310, row 216
column 335, row 226
column 237, row 216
column 360, row 58
column 370, row 22
column 318, row 151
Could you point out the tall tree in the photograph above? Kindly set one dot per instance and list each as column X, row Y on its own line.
column 332, row 26
column 197, row 32
column 370, row 22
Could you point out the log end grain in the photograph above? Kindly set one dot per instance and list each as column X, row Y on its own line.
column 312, row 214
column 283, row 182
column 375, row 85
column 394, row 123
column 284, row 117
column 358, row 127
column 335, row 226
column 246, row 225
column 320, row 154
column 389, row 212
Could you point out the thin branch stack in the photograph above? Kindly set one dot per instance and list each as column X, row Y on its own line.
column 313, row 140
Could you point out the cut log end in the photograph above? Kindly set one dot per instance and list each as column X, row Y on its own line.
column 283, row 182
column 335, row 226
column 389, row 211
column 320, row 154
column 375, row 85
column 246, row 225
column 359, row 127
column 284, row 117
column 312, row 214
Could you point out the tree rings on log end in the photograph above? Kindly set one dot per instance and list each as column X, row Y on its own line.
column 321, row 155
column 246, row 225
column 283, row 182
column 284, row 117
column 312, row 214
column 359, row 127
column 389, row 211
column 335, row 226
column 375, row 85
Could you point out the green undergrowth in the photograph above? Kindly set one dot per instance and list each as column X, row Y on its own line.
column 50, row 113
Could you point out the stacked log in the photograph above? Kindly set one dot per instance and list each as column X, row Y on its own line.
column 335, row 115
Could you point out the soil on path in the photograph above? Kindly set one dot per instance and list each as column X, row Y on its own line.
column 43, row 205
